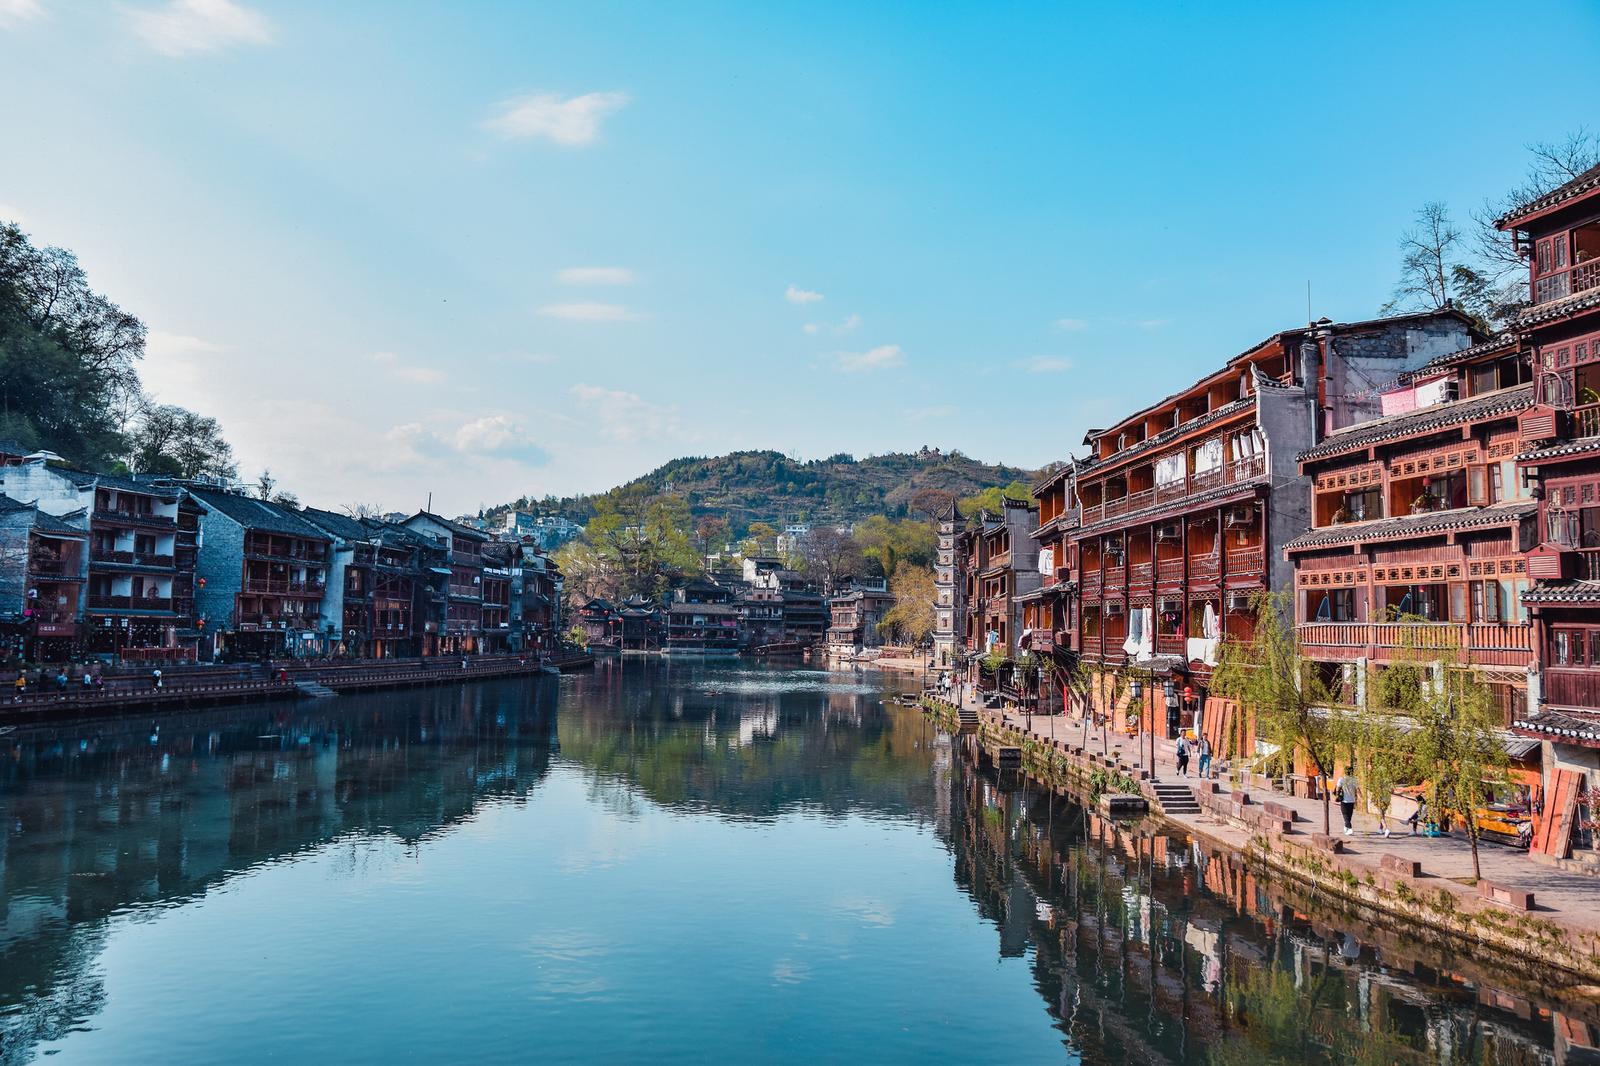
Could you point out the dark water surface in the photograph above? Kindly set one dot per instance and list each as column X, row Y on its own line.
column 654, row 863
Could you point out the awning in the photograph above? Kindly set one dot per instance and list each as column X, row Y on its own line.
column 440, row 570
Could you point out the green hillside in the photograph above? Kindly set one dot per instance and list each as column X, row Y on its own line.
column 769, row 486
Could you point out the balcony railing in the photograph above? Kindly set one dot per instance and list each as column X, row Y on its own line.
column 1169, row 572
column 1585, row 420
column 1139, row 574
column 1491, row 643
column 118, row 515
column 52, row 568
column 138, row 603
column 126, row 558
column 1248, row 559
column 1569, row 282
column 1191, row 485
column 278, row 621
column 283, row 586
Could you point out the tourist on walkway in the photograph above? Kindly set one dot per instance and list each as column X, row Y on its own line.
column 155, row 679
column 20, row 685
column 1346, row 787
column 1419, row 816
column 1205, row 759
column 1183, row 756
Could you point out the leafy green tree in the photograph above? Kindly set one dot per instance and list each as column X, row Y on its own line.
column 1294, row 710
column 993, row 498
column 168, row 439
column 888, row 542
column 1458, row 749
column 639, row 543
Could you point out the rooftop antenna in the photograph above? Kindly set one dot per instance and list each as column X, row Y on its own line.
column 430, row 503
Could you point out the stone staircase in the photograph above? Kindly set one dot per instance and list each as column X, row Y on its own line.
column 1175, row 798
column 315, row 690
column 968, row 718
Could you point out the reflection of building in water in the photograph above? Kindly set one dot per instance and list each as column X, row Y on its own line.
column 97, row 819
column 758, row 723
column 1148, row 949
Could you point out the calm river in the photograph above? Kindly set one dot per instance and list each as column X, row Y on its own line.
column 656, row 863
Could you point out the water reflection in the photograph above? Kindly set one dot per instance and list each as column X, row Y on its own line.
column 1147, row 947
column 658, row 853
column 99, row 819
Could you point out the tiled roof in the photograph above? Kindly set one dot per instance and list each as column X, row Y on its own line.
column 1585, row 182
column 88, row 478
column 1425, row 420
column 264, row 515
column 1503, row 342
column 1414, row 525
column 41, row 519
column 1558, row 451
column 1187, row 503
column 339, row 525
column 1564, row 592
column 455, row 528
column 1539, row 314
column 1167, row 436
column 1560, row 726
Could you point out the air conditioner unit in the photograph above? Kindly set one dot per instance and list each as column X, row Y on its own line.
column 1113, row 610
column 1242, row 515
column 1239, row 601
column 1169, row 531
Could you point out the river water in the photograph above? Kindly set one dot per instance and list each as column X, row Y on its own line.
column 665, row 863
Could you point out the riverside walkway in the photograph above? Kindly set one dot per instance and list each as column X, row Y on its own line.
column 1571, row 899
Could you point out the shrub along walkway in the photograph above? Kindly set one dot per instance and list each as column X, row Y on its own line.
column 1568, row 898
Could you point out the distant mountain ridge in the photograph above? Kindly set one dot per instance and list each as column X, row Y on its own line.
column 768, row 486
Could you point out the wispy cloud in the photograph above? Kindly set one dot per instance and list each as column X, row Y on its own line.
column 847, row 325
column 1151, row 323
column 183, row 27
column 595, row 276
column 624, row 417
column 572, row 122
column 882, row 357
column 1047, row 364
column 16, row 12
column 590, row 312
column 502, row 436
column 796, row 295
column 938, row 410
column 441, row 441
column 1071, row 325
column 410, row 374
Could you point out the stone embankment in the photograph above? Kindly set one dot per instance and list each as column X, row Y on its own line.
column 1536, row 920
column 200, row 686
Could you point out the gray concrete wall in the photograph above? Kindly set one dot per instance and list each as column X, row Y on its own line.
column 220, row 560
column 14, row 528
column 1360, row 361
column 37, row 483
column 1286, row 416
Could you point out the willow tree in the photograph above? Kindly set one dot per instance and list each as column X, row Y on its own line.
column 1459, row 749
column 1294, row 710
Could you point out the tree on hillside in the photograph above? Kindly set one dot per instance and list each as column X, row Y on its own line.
column 993, row 498
column 830, row 555
column 1294, row 710
column 931, row 503
column 66, row 353
column 712, row 531
column 759, row 539
column 167, row 439
column 887, row 543
column 642, row 542
column 911, row 619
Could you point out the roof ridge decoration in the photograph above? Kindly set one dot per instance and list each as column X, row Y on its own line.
column 1412, row 525
column 1422, row 420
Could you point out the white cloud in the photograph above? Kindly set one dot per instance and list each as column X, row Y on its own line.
column 1047, row 364
column 1071, row 325
column 499, row 435
column 811, row 327
column 850, row 322
column 847, row 325
column 590, row 312
column 796, row 295
column 595, row 276
column 185, row 26
column 572, row 122
column 411, row 375
column 625, row 417
column 16, row 12
column 882, row 357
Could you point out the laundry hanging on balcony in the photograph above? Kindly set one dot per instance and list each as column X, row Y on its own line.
column 1203, row 649
column 1141, row 640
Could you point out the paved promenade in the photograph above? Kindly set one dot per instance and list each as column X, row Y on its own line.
column 1570, row 898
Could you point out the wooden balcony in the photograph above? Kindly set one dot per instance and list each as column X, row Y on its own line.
column 1485, row 643
column 1192, row 485
column 1089, row 585
column 1574, row 688
column 142, row 518
column 44, row 567
column 1140, row 575
column 1171, row 644
column 1249, row 561
column 279, row 586
column 129, row 603
column 1169, row 573
column 1575, row 279
column 1203, row 568
column 125, row 558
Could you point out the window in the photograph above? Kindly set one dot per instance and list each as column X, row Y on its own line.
column 1487, row 604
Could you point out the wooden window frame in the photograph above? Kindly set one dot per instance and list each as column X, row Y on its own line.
column 1477, row 485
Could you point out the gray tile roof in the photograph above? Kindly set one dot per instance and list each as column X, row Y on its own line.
column 1427, row 419
column 339, row 525
column 1585, row 182
column 252, row 513
column 1564, row 592
column 1414, row 525
column 1539, row 314
column 1561, row 726
column 1504, row 342
column 1562, row 450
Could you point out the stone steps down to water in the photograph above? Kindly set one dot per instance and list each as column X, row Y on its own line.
column 1175, row 798
column 315, row 690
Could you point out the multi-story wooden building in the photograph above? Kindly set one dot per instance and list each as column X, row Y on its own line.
column 1185, row 505
column 42, row 572
column 1049, row 612
column 1419, row 528
column 265, row 571
column 1559, row 333
column 854, row 613
column 703, row 619
column 999, row 563
column 461, row 631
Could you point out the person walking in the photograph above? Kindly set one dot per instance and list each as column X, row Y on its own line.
column 1205, row 759
column 1183, row 756
column 1419, row 816
column 20, row 686
column 1346, row 787
column 155, row 679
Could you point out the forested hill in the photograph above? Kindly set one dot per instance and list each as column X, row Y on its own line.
column 768, row 486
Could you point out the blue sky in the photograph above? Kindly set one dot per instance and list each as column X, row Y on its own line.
column 488, row 249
